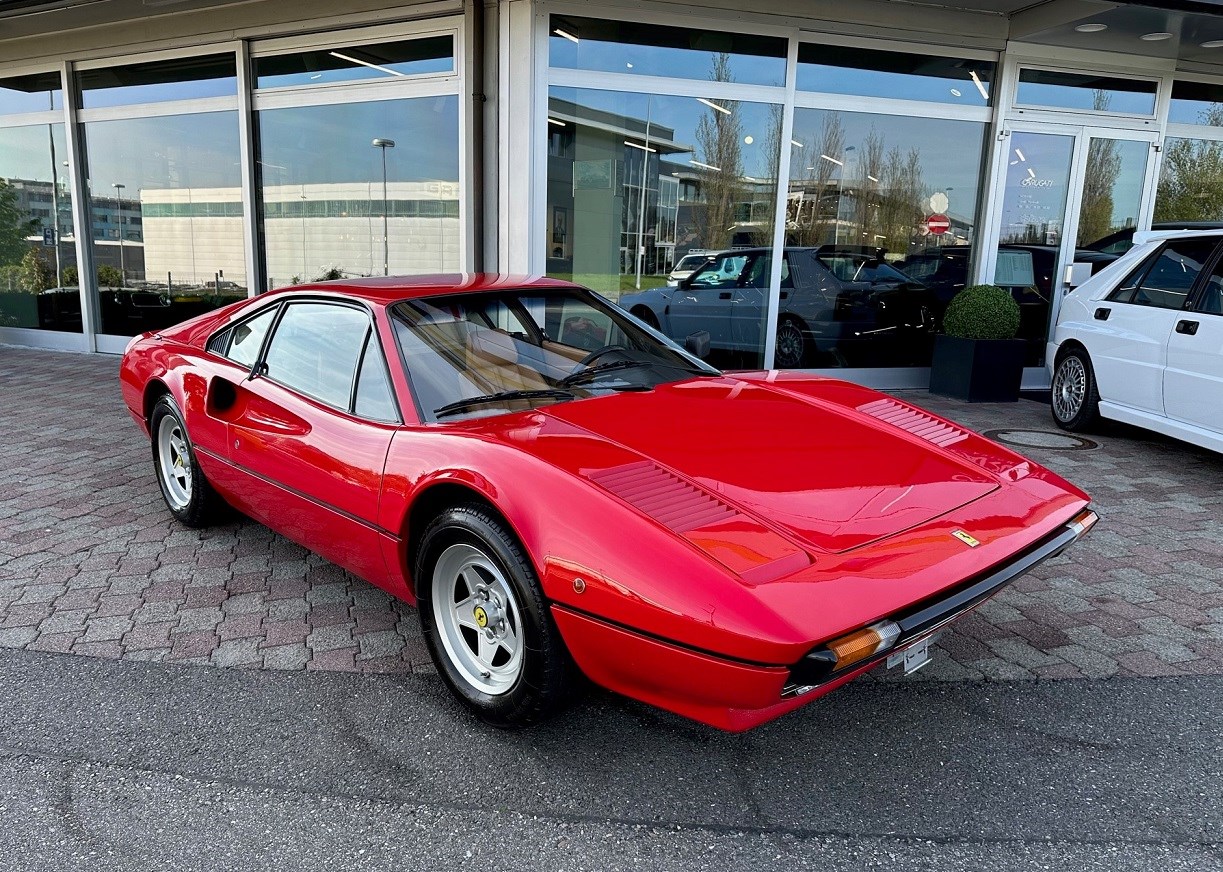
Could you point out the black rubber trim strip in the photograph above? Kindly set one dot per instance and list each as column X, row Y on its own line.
column 945, row 610
column 654, row 637
column 305, row 496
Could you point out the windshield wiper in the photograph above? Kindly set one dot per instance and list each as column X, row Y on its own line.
column 502, row 396
column 593, row 372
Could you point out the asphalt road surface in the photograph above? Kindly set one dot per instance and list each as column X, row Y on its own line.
column 133, row 766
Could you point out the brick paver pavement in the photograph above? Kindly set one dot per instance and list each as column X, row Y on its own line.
column 91, row 563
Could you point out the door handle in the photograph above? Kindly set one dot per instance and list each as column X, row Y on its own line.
column 1102, row 314
column 1189, row 328
column 725, row 295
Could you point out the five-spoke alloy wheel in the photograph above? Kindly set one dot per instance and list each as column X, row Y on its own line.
column 187, row 492
column 485, row 619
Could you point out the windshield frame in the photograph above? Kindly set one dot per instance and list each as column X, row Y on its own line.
column 425, row 362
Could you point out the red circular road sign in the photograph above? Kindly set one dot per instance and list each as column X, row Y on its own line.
column 938, row 224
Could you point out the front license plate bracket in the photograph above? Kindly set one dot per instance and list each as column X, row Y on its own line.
column 912, row 658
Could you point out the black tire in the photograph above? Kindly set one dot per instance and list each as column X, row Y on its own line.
column 196, row 505
column 546, row 678
column 1075, row 399
column 792, row 346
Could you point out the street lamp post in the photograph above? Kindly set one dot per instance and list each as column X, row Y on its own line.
column 119, row 186
column 383, row 145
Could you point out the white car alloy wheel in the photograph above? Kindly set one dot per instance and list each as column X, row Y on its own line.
column 174, row 462
column 477, row 618
column 790, row 344
column 1069, row 388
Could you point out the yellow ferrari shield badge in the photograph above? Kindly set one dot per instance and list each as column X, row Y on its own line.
column 959, row 534
column 481, row 617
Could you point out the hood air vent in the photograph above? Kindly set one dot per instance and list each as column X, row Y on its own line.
column 914, row 421
column 663, row 496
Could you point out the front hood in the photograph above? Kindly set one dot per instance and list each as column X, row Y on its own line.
column 831, row 478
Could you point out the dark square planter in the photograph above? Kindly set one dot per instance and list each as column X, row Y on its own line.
column 977, row 370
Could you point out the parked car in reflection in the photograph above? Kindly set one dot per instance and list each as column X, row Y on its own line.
column 564, row 493
column 1122, row 240
column 1142, row 342
column 685, row 266
column 839, row 307
column 1029, row 275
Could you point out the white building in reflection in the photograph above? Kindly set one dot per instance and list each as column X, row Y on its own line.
column 192, row 236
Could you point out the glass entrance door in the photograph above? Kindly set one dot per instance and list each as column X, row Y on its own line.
column 1069, row 194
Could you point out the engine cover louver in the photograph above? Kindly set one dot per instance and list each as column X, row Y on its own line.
column 663, row 496
column 914, row 421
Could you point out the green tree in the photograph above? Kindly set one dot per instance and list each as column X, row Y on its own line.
column 14, row 226
column 1191, row 180
column 71, row 276
column 1103, row 167
column 109, row 276
column 36, row 274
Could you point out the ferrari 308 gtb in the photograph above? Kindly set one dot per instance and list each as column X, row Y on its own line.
column 564, row 492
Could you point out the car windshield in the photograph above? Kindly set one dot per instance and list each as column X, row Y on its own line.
column 478, row 354
column 690, row 262
column 719, row 269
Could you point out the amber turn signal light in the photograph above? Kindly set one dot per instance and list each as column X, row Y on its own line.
column 1083, row 522
column 864, row 643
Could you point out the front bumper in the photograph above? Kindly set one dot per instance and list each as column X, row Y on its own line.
column 735, row 695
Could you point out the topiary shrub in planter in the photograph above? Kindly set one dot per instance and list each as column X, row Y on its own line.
column 977, row 358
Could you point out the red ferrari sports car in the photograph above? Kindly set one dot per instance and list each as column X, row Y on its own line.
column 564, row 492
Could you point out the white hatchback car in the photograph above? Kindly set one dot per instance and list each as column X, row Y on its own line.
column 1142, row 341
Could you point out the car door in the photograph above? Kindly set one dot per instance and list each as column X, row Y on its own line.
column 704, row 300
column 309, row 431
column 1193, row 379
column 750, row 301
column 1133, row 324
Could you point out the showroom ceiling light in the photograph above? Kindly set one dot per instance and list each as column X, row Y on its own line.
column 976, row 80
column 556, row 121
column 1213, row 43
column 796, row 143
column 567, row 35
column 956, row 92
column 352, row 60
column 1157, row 36
column 1031, row 172
column 839, row 163
column 872, row 178
column 1092, row 27
column 713, row 105
column 705, row 166
column 640, row 146
column 1019, row 154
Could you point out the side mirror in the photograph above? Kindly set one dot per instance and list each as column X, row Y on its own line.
column 697, row 344
column 684, row 284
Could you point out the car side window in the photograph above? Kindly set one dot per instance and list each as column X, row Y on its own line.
column 315, row 349
column 373, row 398
column 1211, row 300
column 1169, row 276
column 246, row 338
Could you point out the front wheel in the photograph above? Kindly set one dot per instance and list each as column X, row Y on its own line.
column 486, row 622
column 1075, row 397
column 187, row 493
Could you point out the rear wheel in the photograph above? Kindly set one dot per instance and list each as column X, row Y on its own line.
column 486, row 622
column 791, row 344
column 186, row 491
column 1075, row 397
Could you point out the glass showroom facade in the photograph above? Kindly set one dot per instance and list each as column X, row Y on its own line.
column 810, row 199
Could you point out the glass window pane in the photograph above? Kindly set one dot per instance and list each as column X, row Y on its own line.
column 35, row 93
column 1171, row 277
column 158, row 81
column 314, row 350
column 868, row 73
column 39, row 288
column 334, row 204
column 166, row 212
column 637, row 182
column 1086, row 92
column 1112, row 188
column 1196, row 103
column 247, row 338
column 881, row 218
column 374, row 398
column 356, row 63
column 1190, row 181
column 652, row 50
